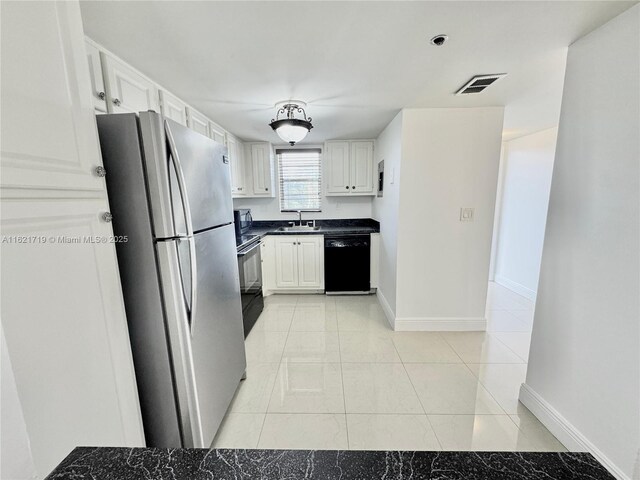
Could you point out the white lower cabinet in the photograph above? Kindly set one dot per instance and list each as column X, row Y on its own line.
column 293, row 263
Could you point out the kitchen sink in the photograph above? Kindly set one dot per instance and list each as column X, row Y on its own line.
column 298, row 228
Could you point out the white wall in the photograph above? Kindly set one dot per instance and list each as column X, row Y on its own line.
column 527, row 168
column 385, row 210
column 584, row 364
column 332, row 207
column 450, row 160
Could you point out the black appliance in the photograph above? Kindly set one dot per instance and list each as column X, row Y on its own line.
column 243, row 221
column 347, row 263
column 250, row 269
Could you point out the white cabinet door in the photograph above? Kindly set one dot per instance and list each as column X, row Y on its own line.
column 127, row 89
column 98, row 94
column 286, row 261
column 63, row 315
column 361, row 167
column 261, row 158
column 310, row 261
column 235, row 148
column 197, row 122
column 173, row 108
column 48, row 129
column 217, row 133
column 337, row 167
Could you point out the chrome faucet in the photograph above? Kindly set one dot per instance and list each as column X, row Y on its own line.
column 300, row 217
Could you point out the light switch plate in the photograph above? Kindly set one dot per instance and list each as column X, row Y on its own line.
column 466, row 214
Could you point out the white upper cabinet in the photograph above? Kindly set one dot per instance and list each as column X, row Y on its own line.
column 98, row 93
column 362, row 167
column 261, row 157
column 338, row 169
column 349, row 167
column 172, row 107
column 198, row 122
column 236, row 161
column 127, row 90
column 217, row 133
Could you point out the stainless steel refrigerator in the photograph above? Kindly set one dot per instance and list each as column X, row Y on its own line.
column 170, row 196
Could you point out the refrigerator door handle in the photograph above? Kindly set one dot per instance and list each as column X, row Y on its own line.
column 177, row 322
column 182, row 185
column 194, row 282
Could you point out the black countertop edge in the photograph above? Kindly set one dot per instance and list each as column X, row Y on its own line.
column 333, row 227
column 195, row 464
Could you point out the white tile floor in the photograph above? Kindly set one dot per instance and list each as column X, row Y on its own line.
column 329, row 373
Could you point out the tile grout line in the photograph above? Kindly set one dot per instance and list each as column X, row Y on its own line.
column 524, row 360
column 344, row 397
column 277, row 373
column 418, row 396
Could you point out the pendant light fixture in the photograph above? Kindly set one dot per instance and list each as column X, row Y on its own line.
column 287, row 126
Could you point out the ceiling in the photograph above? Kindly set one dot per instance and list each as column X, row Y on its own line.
column 356, row 64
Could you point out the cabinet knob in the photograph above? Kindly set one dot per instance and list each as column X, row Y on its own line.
column 101, row 171
column 239, row 188
column 353, row 188
column 116, row 102
column 266, row 189
column 107, row 217
column 101, row 95
column 347, row 187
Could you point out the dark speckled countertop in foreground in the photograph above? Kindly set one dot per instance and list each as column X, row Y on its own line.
column 327, row 227
column 86, row 463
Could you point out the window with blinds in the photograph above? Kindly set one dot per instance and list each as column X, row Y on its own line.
column 299, row 174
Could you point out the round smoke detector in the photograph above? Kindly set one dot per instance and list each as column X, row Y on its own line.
column 439, row 40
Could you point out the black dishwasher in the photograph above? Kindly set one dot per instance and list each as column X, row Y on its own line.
column 347, row 263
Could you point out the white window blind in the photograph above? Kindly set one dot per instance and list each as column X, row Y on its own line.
column 300, row 179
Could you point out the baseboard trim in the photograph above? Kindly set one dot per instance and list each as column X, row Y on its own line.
column 443, row 324
column 564, row 430
column 516, row 287
column 386, row 308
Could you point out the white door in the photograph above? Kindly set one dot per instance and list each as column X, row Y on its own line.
column 217, row 133
column 98, row 94
column 362, row 167
column 173, row 108
column 286, row 261
column 62, row 311
column 310, row 261
column 198, row 122
column 237, row 168
column 127, row 90
column 261, row 169
column 337, row 167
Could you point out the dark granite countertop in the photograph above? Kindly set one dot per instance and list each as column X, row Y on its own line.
column 86, row 463
column 327, row 227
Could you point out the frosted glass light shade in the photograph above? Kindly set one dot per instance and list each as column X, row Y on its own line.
column 291, row 130
column 292, row 133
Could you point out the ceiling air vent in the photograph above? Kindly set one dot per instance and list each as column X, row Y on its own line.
column 478, row 83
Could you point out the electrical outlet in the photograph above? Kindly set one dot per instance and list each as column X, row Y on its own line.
column 466, row 214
